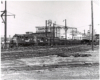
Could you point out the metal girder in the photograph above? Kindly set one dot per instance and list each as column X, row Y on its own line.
column 2, row 16
column 61, row 26
column 5, row 15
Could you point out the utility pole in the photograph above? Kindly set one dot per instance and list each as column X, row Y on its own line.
column 4, row 13
column 5, row 24
column 84, row 32
column 72, row 34
column 53, row 32
column 65, row 32
column 46, row 28
column 92, row 24
column 89, row 32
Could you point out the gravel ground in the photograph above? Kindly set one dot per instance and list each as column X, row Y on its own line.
column 52, row 67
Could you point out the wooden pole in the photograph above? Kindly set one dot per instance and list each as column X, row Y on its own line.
column 92, row 24
column 5, row 36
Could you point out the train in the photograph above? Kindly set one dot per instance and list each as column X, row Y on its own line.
column 32, row 40
column 27, row 40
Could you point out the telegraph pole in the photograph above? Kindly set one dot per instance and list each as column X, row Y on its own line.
column 46, row 28
column 92, row 23
column 53, row 32
column 84, row 32
column 65, row 32
column 72, row 34
column 4, row 13
column 5, row 24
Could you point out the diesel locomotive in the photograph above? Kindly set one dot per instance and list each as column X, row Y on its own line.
column 32, row 40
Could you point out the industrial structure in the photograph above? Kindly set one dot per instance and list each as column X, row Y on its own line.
column 50, row 35
column 59, row 32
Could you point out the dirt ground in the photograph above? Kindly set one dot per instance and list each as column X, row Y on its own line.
column 52, row 67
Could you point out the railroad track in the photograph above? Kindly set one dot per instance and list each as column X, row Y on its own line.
column 41, row 49
column 43, row 52
column 34, row 47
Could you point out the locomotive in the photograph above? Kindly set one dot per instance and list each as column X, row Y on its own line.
column 21, row 40
column 32, row 40
column 27, row 40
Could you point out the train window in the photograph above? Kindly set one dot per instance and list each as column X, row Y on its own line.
column 41, row 40
column 14, row 38
column 22, row 39
column 30, row 38
column 26, row 37
column 19, row 37
column 45, row 39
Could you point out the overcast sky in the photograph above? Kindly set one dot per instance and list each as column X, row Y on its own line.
column 30, row 14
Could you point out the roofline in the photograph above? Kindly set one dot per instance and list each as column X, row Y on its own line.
column 56, row 27
column 40, row 32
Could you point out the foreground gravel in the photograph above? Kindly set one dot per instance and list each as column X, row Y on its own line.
column 52, row 67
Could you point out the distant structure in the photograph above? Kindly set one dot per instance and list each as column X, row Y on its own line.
column 58, row 30
column 41, row 29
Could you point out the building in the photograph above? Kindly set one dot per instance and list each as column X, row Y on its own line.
column 50, row 31
column 58, row 31
column 79, row 36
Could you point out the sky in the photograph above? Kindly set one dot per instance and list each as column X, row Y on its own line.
column 29, row 14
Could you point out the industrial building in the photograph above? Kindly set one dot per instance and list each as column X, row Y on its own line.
column 57, row 31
